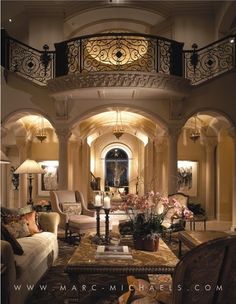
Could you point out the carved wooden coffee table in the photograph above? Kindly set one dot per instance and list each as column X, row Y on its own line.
column 83, row 263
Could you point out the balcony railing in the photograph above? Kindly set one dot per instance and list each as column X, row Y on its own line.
column 118, row 52
column 210, row 61
column 26, row 61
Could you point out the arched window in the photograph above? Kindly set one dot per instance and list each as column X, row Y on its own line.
column 116, row 168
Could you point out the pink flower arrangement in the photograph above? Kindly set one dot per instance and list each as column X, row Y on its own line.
column 154, row 203
column 43, row 203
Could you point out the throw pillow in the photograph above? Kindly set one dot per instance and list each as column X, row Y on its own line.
column 31, row 221
column 18, row 229
column 24, row 210
column 17, row 249
column 71, row 208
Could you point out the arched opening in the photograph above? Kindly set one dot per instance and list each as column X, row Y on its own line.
column 28, row 134
column 116, row 169
column 211, row 151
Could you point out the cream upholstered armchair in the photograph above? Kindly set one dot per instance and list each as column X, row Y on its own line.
column 74, row 215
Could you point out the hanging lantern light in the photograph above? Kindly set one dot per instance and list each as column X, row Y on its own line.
column 118, row 130
column 195, row 134
column 41, row 135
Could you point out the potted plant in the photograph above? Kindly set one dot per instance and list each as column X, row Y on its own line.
column 147, row 216
column 147, row 228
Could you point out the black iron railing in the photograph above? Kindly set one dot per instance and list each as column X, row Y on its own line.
column 119, row 52
column 32, row 64
column 210, row 61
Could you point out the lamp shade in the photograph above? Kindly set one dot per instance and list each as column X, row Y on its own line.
column 4, row 159
column 29, row 166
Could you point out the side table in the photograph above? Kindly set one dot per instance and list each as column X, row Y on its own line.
column 196, row 219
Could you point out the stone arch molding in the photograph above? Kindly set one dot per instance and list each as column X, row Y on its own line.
column 19, row 130
column 118, row 146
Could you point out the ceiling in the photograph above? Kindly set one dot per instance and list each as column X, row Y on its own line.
column 17, row 9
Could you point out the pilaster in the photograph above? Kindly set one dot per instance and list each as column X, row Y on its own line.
column 173, row 135
column 232, row 133
column 160, row 145
column 210, row 145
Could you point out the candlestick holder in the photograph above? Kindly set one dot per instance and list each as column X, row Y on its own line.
column 97, row 237
column 107, row 237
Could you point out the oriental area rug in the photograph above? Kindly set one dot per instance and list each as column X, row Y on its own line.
column 55, row 287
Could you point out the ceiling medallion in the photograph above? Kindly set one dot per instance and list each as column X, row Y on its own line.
column 118, row 130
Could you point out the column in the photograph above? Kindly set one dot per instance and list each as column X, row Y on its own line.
column 210, row 144
column 63, row 138
column 233, row 227
column 172, row 158
column 74, row 165
column 85, row 169
column 160, row 145
column 24, row 152
column 149, row 163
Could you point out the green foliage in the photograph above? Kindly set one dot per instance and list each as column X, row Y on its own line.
column 147, row 224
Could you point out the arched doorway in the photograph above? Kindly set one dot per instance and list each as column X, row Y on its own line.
column 116, row 168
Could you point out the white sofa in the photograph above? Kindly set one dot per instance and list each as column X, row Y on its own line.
column 23, row 271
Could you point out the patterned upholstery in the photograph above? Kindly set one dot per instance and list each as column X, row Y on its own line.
column 206, row 274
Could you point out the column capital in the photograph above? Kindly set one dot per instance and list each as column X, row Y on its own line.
column 174, row 131
column 232, row 133
column 160, row 142
column 63, row 134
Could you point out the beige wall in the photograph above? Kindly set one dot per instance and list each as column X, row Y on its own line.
column 193, row 29
column 45, row 29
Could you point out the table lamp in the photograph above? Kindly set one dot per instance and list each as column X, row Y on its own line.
column 30, row 167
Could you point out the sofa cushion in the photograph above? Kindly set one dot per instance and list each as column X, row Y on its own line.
column 82, row 222
column 36, row 248
column 6, row 235
column 71, row 208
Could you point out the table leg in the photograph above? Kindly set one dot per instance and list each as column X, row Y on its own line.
column 180, row 248
column 204, row 225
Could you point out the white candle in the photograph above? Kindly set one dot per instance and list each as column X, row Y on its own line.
column 98, row 200
column 107, row 202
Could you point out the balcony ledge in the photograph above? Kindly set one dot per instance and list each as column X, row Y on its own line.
column 163, row 85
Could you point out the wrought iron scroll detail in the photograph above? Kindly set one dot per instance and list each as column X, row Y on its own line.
column 118, row 53
column 211, row 61
column 30, row 63
column 164, row 56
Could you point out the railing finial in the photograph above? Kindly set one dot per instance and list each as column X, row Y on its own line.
column 194, row 57
column 45, row 58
